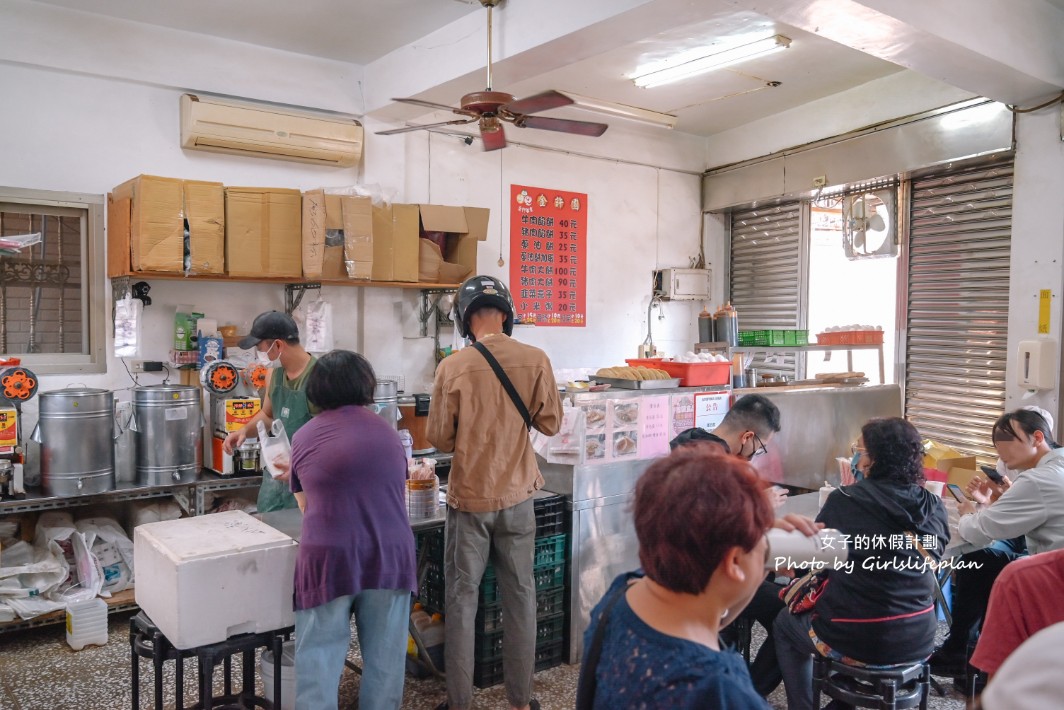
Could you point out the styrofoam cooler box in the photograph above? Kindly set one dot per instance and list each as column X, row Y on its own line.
column 209, row 577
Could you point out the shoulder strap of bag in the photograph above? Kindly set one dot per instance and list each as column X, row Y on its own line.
column 585, row 688
column 506, row 384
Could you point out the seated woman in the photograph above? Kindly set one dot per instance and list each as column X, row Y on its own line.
column 356, row 551
column 1031, row 507
column 878, row 609
column 700, row 518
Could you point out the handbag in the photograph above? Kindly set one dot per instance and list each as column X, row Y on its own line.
column 801, row 593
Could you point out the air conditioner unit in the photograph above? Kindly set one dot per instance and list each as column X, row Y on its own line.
column 221, row 126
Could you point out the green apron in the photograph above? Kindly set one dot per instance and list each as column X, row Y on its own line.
column 288, row 398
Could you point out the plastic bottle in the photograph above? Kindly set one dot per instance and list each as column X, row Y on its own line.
column 705, row 326
column 431, row 631
column 86, row 623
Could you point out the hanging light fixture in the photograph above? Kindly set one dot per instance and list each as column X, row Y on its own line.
column 710, row 62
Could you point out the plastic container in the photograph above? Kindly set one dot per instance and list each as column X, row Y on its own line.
column 407, row 440
column 706, row 332
column 276, row 448
column 86, row 623
column 695, row 374
column 288, row 675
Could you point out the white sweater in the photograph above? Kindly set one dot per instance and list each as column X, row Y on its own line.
column 1033, row 506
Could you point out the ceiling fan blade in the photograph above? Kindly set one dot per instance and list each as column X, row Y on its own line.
column 407, row 129
column 427, row 104
column 493, row 139
column 582, row 128
column 540, row 102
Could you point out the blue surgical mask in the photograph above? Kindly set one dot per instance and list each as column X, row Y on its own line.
column 857, row 473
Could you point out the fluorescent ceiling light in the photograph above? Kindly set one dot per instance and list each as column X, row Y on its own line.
column 711, row 62
column 632, row 113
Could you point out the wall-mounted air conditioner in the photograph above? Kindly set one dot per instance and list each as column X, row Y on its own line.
column 221, row 126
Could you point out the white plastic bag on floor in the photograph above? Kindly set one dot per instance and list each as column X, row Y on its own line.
column 29, row 578
column 56, row 533
column 113, row 549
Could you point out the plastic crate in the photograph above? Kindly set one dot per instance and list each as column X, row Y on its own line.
column 547, row 576
column 851, row 337
column 549, row 602
column 549, row 550
column 651, row 362
column 695, row 374
column 487, row 647
column 490, row 673
column 550, row 515
column 777, row 338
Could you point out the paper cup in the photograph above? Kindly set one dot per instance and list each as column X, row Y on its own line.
column 935, row 487
column 825, row 491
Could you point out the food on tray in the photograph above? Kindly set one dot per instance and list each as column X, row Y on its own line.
column 633, row 373
column 595, row 446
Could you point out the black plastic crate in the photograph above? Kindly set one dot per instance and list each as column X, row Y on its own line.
column 548, row 603
column 548, row 655
column 546, row 577
column 488, row 646
column 550, row 514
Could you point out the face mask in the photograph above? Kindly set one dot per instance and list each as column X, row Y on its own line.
column 264, row 359
column 857, row 473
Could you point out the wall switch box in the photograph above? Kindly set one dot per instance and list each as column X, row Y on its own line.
column 682, row 284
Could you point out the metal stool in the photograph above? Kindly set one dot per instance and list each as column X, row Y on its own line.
column 147, row 641
column 902, row 686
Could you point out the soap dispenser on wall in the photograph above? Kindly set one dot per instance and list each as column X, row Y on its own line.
column 1036, row 364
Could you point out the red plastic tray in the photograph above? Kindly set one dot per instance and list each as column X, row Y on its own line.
column 696, row 374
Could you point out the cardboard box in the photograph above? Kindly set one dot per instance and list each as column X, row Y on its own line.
column 395, row 243
column 337, row 236
column 209, row 577
column 146, row 226
column 468, row 227
column 263, row 234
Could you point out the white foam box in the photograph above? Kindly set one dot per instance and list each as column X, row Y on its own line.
column 206, row 578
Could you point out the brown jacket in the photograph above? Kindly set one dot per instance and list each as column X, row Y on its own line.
column 494, row 466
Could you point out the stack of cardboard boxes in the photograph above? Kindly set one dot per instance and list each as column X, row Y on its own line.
column 165, row 225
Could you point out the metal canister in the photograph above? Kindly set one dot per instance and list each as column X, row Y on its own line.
column 386, row 401
column 169, row 433
column 248, row 453
column 76, row 431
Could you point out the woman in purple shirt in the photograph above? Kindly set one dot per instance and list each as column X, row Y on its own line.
column 356, row 552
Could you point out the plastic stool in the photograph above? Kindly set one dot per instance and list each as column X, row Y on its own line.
column 901, row 686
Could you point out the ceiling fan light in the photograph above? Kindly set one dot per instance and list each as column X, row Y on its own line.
column 717, row 60
column 631, row 113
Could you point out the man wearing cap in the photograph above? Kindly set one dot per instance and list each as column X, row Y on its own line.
column 493, row 478
column 275, row 338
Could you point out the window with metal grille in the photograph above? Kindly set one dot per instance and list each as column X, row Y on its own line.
column 51, row 305
column 767, row 263
column 958, row 302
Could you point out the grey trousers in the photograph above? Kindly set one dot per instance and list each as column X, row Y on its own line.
column 506, row 537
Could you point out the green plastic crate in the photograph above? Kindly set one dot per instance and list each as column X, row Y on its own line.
column 777, row 338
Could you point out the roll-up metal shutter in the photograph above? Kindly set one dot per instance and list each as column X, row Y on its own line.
column 765, row 271
column 958, row 302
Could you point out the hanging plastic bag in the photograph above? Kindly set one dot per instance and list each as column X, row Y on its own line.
column 127, row 326
column 568, row 440
column 318, row 327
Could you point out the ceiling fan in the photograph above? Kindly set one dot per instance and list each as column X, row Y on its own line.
column 490, row 109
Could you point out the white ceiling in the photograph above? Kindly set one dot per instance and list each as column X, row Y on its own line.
column 866, row 43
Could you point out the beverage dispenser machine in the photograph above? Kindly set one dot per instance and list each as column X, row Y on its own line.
column 17, row 386
column 230, row 401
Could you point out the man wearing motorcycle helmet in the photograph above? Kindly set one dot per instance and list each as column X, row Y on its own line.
column 492, row 480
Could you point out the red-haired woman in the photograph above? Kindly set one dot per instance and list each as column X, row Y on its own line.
column 700, row 517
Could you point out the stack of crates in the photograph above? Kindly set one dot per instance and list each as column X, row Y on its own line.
column 549, row 573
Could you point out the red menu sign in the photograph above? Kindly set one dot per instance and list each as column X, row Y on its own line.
column 548, row 245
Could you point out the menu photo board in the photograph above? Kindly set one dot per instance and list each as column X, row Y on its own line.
column 548, row 250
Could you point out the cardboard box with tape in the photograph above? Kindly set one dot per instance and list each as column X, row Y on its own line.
column 337, row 236
column 166, row 225
column 263, row 232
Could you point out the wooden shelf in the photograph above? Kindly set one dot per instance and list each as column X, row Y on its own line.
column 119, row 601
column 170, row 276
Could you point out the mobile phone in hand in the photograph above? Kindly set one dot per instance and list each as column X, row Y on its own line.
column 956, row 492
column 992, row 474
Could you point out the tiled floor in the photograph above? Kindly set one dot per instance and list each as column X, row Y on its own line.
column 38, row 671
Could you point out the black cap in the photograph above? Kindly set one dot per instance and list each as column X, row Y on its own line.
column 271, row 325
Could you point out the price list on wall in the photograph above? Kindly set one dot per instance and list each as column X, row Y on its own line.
column 548, row 245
